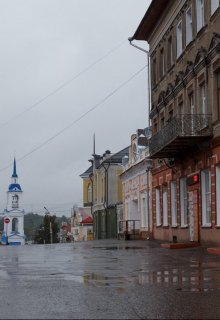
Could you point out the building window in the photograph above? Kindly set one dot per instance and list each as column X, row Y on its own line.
column 192, row 112
column 155, row 127
column 206, row 197
column 170, row 52
column 218, row 195
column 214, row 5
column 154, row 72
column 189, row 25
column 90, row 193
column 202, row 98
column 165, row 209
column 191, row 103
column 144, row 211
column 134, row 151
column 173, row 204
column 162, row 122
column 15, row 201
column 162, row 63
column 14, row 225
column 179, row 39
column 158, row 213
column 183, row 202
column 218, row 92
column 200, row 14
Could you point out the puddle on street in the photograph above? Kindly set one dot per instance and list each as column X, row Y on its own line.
column 182, row 280
column 120, row 248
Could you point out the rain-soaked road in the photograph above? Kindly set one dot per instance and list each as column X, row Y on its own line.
column 108, row 280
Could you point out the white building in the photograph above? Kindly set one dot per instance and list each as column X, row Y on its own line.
column 13, row 233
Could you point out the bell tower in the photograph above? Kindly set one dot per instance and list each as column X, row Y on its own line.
column 13, row 214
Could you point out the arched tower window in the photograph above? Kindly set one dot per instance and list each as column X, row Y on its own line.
column 14, row 225
column 89, row 195
column 15, row 201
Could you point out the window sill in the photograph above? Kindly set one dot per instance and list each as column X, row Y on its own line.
column 174, row 226
column 158, row 226
column 166, row 226
column 184, row 227
column 206, row 226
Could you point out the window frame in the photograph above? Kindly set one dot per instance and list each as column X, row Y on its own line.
column 170, row 59
column 173, row 197
column 179, row 38
column 158, row 207
column 206, row 197
column 183, row 203
column 189, row 31
column 165, row 205
column 200, row 15
column 217, row 195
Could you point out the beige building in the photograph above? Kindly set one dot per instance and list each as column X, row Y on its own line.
column 136, row 178
column 184, row 40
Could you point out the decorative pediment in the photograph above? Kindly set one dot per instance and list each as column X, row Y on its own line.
column 215, row 41
column 200, row 55
column 179, row 78
column 189, row 67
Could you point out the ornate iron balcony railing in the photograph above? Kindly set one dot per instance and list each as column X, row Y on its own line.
column 182, row 130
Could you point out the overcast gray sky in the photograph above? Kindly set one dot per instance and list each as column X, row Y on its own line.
column 55, row 44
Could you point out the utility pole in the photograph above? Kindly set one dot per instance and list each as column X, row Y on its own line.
column 51, row 235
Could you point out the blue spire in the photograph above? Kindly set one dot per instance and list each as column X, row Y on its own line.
column 14, row 175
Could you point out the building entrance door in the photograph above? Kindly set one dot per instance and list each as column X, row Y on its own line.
column 193, row 216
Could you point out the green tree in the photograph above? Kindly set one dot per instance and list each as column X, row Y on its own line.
column 43, row 234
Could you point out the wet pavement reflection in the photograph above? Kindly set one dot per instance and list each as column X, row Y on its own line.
column 114, row 279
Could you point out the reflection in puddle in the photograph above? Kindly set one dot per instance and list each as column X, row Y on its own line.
column 184, row 280
column 119, row 248
column 100, row 280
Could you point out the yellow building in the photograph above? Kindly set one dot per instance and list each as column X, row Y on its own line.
column 106, row 192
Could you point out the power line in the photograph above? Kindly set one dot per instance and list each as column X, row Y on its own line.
column 78, row 119
column 18, row 115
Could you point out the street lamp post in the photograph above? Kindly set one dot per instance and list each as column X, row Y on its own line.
column 51, row 234
column 130, row 39
column 106, row 166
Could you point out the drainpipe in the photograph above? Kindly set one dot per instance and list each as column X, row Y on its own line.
column 130, row 39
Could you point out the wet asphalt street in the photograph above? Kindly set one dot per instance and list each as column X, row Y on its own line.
column 108, row 280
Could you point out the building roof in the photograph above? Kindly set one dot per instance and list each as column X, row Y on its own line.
column 150, row 19
column 87, row 172
column 15, row 187
column 116, row 157
column 87, row 220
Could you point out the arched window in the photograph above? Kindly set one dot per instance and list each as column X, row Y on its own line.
column 14, row 225
column 89, row 195
column 15, row 201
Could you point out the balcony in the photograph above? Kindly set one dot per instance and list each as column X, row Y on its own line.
column 179, row 134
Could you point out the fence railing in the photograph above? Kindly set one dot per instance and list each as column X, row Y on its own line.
column 185, row 125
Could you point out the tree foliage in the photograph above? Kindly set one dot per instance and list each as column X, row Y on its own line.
column 49, row 227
